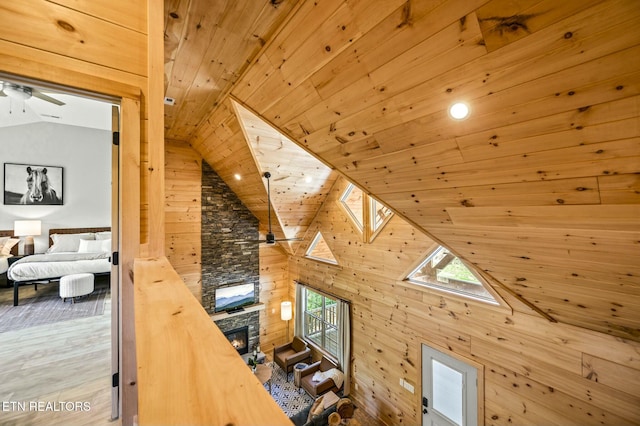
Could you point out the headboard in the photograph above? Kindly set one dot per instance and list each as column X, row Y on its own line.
column 74, row 231
column 14, row 249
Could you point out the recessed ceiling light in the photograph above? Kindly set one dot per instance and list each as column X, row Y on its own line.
column 459, row 111
column 308, row 179
column 237, row 176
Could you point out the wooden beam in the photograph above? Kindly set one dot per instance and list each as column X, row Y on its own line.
column 188, row 373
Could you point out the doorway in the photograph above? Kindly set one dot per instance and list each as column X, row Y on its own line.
column 449, row 390
column 84, row 167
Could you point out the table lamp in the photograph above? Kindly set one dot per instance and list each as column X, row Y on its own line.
column 27, row 228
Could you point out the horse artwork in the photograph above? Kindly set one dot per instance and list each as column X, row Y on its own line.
column 43, row 185
column 39, row 190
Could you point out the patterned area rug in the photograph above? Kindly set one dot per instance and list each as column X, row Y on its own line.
column 286, row 394
column 46, row 307
column 292, row 400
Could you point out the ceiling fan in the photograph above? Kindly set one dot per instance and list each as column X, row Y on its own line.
column 270, row 237
column 22, row 93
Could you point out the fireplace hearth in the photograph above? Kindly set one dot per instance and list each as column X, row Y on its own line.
column 239, row 339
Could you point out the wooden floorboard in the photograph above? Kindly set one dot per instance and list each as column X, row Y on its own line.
column 56, row 374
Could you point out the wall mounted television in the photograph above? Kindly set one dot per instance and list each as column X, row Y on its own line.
column 234, row 297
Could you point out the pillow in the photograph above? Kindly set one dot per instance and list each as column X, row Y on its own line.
column 106, row 245
column 316, row 409
column 90, row 246
column 6, row 244
column 68, row 242
column 104, row 235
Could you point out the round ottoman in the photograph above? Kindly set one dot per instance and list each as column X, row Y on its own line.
column 75, row 285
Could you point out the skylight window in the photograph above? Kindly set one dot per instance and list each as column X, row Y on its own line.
column 442, row 270
column 319, row 250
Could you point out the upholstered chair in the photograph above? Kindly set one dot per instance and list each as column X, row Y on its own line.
column 318, row 388
column 289, row 354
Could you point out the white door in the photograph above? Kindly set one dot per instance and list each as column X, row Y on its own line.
column 449, row 390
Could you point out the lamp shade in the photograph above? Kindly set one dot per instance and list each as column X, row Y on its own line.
column 285, row 311
column 26, row 228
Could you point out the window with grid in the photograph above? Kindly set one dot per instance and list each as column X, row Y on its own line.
column 321, row 321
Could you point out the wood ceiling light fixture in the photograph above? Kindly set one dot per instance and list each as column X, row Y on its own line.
column 459, row 110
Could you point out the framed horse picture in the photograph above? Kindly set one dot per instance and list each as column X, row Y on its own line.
column 32, row 184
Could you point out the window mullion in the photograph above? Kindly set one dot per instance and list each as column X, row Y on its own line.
column 324, row 323
column 366, row 217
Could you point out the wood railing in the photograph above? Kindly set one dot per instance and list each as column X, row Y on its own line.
column 188, row 373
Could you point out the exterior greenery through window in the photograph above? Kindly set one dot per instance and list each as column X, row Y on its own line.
column 321, row 321
column 444, row 271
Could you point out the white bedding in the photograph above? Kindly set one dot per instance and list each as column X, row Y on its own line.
column 55, row 265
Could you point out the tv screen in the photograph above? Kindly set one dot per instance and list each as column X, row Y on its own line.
column 234, row 297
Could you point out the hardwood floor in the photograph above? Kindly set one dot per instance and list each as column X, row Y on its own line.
column 56, row 374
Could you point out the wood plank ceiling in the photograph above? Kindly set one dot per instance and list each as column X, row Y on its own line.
column 539, row 187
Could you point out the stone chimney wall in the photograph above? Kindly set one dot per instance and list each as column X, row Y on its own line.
column 225, row 220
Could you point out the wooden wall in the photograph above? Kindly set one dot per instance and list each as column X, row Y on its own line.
column 535, row 371
column 274, row 288
column 106, row 48
column 183, row 206
column 112, row 48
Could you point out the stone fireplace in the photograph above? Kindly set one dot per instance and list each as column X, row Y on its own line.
column 239, row 339
column 249, row 321
column 226, row 220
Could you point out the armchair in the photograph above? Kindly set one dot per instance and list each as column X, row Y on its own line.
column 316, row 389
column 288, row 355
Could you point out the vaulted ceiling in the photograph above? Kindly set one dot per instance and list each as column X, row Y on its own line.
column 539, row 187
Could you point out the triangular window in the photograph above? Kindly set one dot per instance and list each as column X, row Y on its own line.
column 380, row 215
column 444, row 271
column 352, row 201
column 319, row 250
column 365, row 210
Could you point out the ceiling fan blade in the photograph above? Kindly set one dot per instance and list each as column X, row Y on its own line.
column 47, row 98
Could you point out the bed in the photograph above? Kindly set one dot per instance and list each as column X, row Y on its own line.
column 71, row 251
